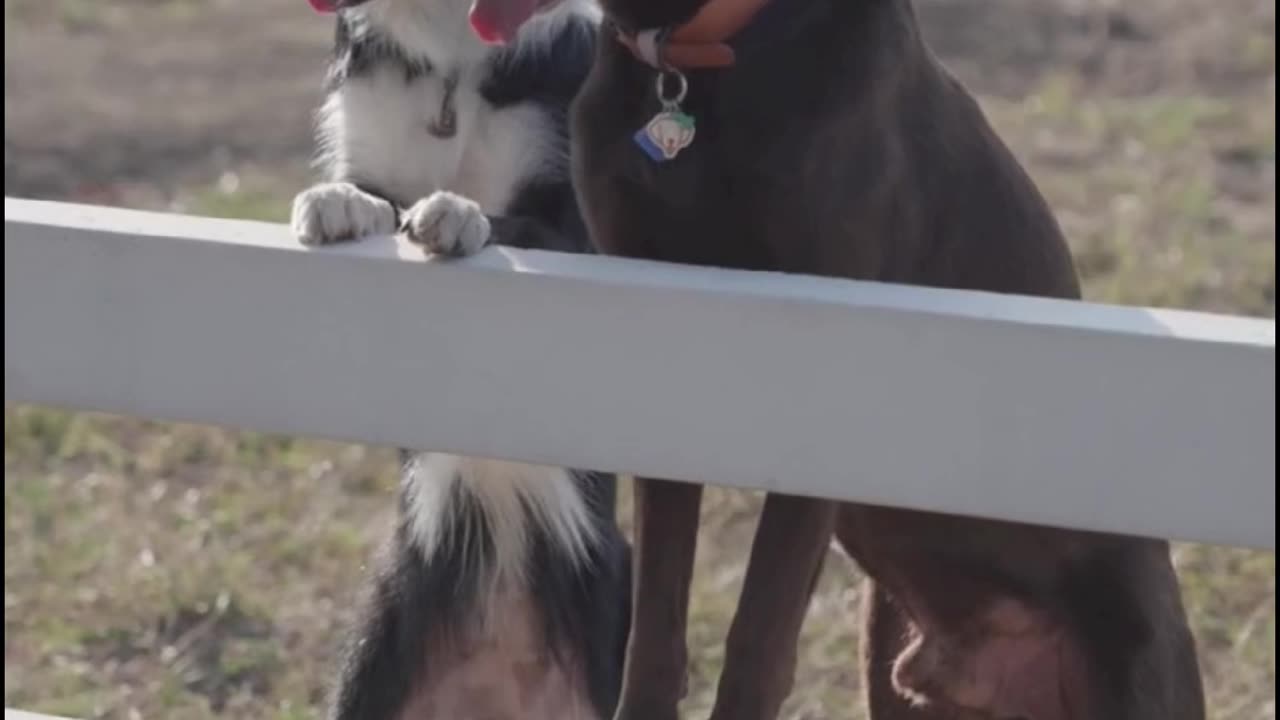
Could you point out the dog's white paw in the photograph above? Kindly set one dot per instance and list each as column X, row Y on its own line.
column 337, row 212
column 447, row 224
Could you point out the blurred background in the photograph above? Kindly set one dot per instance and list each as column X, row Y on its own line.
column 167, row 571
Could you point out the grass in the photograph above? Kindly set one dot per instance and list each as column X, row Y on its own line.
column 173, row 571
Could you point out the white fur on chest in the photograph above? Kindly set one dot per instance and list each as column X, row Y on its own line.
column 377, row 129
column 374, row 128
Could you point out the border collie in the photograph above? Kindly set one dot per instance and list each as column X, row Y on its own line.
column 504, row 593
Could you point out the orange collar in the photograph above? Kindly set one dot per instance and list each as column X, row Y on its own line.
column 698, row 44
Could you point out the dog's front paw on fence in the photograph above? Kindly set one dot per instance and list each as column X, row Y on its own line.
column 447, row 224
column 337, row 212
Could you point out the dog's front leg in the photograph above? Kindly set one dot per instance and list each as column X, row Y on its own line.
column 786, row 560
column 666, row 532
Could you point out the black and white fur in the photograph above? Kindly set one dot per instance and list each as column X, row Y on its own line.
column 505, row 590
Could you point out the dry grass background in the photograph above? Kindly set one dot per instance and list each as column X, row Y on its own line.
column 168, row 571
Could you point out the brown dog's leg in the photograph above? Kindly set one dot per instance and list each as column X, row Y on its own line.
column 666, row 530
column 1017, row 621
column 760, row 654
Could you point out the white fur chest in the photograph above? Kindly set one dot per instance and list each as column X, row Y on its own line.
column 374, row 128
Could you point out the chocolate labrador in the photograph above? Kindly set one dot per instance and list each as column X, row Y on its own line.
column 823, row 137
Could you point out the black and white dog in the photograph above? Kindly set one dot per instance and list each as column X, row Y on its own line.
column 505, row 591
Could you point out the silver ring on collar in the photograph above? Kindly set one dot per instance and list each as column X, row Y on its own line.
column 682, row 87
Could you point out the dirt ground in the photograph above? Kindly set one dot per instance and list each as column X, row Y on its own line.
column 165, row 571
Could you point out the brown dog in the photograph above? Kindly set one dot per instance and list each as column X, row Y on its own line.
column 822, row 137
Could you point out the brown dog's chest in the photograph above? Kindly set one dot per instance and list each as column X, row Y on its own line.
column 703, row 211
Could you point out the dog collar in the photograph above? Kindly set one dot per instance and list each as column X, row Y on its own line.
column 705, row 42
column 702, row 42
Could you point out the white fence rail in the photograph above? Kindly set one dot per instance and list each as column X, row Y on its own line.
column 1106, row 418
